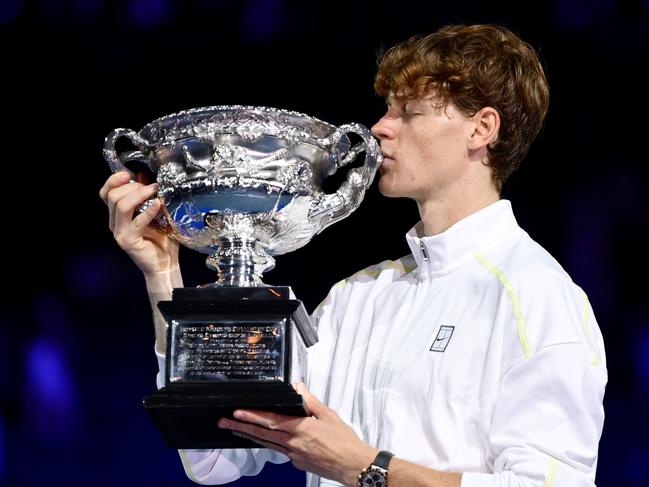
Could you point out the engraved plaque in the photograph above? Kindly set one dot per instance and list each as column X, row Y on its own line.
column 227, row 351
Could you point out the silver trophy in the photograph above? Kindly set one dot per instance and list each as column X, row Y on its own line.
column 241, row 184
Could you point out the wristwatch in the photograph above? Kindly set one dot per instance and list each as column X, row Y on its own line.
column 376, row 475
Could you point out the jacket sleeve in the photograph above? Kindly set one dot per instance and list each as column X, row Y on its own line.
column 215, row 467
column 547, row 422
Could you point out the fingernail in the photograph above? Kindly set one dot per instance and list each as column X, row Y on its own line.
column 238, row 414
column 124, row 176
column 223, row 423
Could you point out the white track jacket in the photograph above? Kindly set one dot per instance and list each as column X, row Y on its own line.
column 475, row 354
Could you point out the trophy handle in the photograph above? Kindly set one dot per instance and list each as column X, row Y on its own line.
column 116, row 161
column 336, row 206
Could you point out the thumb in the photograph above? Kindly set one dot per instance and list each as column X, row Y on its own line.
column 313, row 405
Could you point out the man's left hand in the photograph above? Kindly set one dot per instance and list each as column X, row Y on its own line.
column 321, row 443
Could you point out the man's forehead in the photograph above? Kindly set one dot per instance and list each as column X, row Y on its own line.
column 407, row 95
column 398, row 96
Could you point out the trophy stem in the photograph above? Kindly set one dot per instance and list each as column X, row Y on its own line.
column 239, row 262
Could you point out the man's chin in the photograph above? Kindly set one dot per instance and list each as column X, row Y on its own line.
column 386, row 190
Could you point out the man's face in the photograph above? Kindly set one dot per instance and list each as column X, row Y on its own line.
column 424, row 143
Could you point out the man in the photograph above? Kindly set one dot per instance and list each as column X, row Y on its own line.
column 474, row 361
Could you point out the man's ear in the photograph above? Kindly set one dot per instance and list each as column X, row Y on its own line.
column 486, row 123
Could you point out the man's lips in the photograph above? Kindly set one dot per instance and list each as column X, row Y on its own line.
column 387, row 160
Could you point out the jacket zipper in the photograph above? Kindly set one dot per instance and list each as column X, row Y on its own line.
column 424, row 252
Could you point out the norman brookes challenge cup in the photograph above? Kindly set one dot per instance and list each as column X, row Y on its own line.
column 240, row 184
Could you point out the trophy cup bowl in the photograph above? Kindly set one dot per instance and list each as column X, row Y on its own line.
column 240, row 184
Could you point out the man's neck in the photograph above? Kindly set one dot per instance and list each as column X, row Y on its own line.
column 438, row 215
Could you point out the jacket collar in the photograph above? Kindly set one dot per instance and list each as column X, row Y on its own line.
column 438, row 254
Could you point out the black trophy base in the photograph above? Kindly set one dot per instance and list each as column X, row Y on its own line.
column 189, row 419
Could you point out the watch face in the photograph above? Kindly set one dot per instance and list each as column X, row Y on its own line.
column 373, row 479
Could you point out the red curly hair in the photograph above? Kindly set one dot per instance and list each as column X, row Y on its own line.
column 475, row 66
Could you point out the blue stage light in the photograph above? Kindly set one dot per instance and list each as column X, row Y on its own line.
column 50, row 391
column 2, row 451
column 262, row 19
column 642, row 358
column 149, row 13
column 49, row 374
column 9, row 10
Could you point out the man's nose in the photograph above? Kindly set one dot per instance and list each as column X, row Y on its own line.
column 381, row 129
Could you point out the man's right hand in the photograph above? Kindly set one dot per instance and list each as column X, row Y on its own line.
column 152, row 251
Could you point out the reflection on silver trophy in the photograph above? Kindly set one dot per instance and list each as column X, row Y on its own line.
column 244, row 183
column 240, row 184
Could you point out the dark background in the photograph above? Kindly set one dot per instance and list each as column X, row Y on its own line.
column 76, row 340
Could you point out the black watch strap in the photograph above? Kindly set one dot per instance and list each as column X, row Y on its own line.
column 383, row 458
column 376, row 475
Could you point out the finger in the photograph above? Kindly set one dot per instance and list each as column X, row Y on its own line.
column 300, row 388
column 143, row 219
column 265, row 444
column 114, row 181
column 271, row 421
column 126, row 206
column 313, row 405
column 273, row 436
column 116, row 195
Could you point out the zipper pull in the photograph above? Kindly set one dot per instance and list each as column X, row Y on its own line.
column 424, row 252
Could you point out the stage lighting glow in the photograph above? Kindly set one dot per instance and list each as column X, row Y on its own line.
column 262, row 19
column 48, row 372
column 635, row 466
column 149, row 13
column 9, row 10
column 642, row 361
column 50, row 395
column 2, row 451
